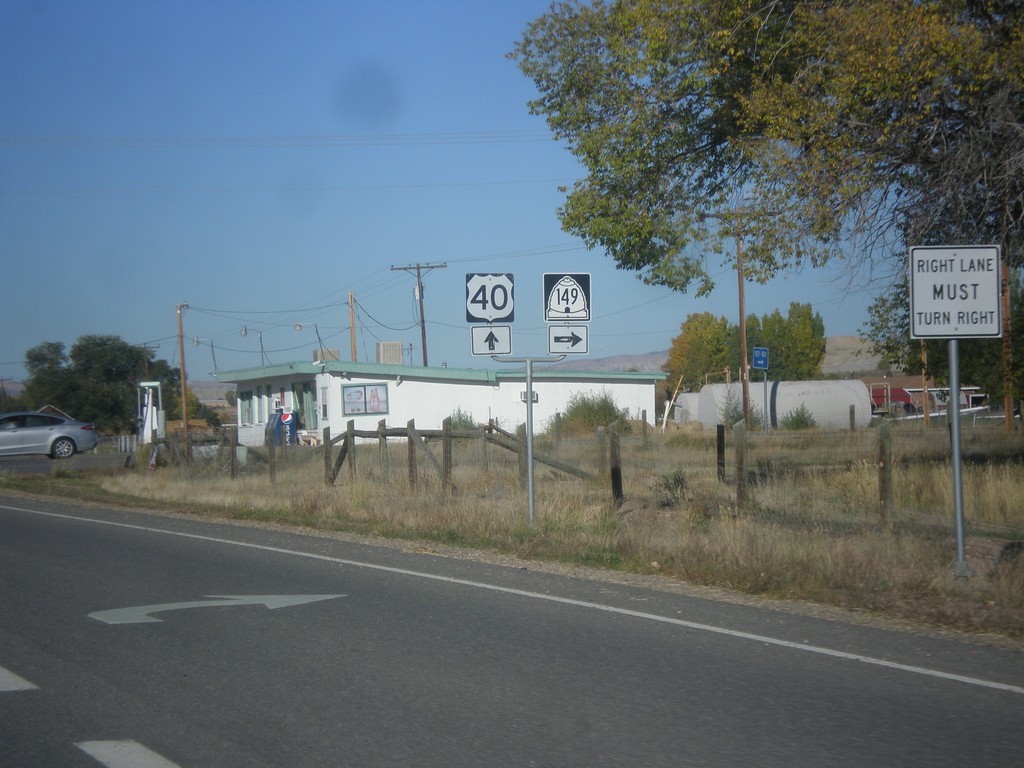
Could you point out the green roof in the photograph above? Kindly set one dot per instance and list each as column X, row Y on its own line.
column 515, row 372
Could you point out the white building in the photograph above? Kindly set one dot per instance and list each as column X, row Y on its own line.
column 332, row 392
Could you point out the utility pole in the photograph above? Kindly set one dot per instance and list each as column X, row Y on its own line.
column 184, row 383
column 420, row 270
column 1007, row 350
column 729, row 218
column 744, row 369
column 352, row 323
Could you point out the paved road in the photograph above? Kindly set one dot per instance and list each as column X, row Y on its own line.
column 34, row 465
column 410, row 659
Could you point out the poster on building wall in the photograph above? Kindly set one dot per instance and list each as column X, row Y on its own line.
column 365, row 398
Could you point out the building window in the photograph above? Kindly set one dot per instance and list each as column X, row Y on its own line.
column 307, row 401
column 365, row 398
column 245, row 407
column 323, row 403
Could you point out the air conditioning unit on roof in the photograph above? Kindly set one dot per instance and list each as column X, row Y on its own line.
column 389, row 352
column 323, row 355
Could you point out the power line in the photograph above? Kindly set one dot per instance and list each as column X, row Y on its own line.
column 420, row 268
column 275, row 189
column 260, row 142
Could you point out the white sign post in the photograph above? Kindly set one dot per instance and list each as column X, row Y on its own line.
column 491, row 339
column 568, row 339
column 567, row 297
column 490, row 296
column 567, row 301
column 955, row 294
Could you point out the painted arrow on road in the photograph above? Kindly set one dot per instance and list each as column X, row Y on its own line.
column 140, row 614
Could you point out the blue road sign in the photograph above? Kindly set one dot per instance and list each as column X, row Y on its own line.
column 760, row 358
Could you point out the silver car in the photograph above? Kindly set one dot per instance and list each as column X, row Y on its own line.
column 56, row 436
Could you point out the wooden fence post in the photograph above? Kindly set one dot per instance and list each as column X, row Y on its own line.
column 231, row 436
column 885, row 499
column 382, row 449
column 350, row 438
column 558, row 433
column 853, row 417
column 327, row 456
column 643, row 428
column 720, row 442
column 345, row 448
column 484, row 432
column 739, row 429
column 615, row 460
column 410, row 432
column 602, row 451
column 272, row 457
column 446, row 454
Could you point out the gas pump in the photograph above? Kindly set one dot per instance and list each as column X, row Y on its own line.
column 150, row 416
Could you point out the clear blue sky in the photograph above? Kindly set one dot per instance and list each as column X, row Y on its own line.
column 261, row 159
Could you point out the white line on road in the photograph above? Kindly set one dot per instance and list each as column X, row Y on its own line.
column 124, row 754
column 763, row 639
column 11, row 682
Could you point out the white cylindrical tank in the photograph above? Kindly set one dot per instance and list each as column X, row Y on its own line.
column 828, row 402
column 719, row 403
column 686, row 407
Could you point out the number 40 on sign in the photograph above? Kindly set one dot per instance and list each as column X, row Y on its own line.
column 490, row 297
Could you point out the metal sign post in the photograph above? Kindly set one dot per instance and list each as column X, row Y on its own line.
column 955, row 294
column 761, row 363
column 529, row 361
column 961, row 568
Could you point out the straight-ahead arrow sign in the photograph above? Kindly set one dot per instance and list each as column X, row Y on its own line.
column 140, row 613
column 491, row 339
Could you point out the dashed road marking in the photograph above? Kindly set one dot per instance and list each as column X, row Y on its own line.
column 11, row 682
column 124, row 754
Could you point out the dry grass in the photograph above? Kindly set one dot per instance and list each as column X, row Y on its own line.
column 810, row 530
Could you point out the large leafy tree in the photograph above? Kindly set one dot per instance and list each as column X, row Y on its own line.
column 96, row 381
column 800, row 125
column 648, row 94
column 899, row 118
column 814, row 130
column 708, row 345
column 795, row 342
column 49, row 379
column 701, row 348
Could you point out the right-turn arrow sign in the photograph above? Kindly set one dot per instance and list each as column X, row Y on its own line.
column 568, row 339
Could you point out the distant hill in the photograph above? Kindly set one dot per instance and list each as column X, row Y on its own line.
column 848, row 356
column 647, row 361
column 11, row 387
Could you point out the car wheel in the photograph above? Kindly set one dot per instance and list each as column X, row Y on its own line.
column 62, row 448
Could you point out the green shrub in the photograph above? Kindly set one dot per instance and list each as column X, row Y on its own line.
column 462, row 420
column 585, row 412
column 731, row 411
column 800, row 418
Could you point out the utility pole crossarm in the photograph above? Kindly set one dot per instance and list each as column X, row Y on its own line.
column 420, row 270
